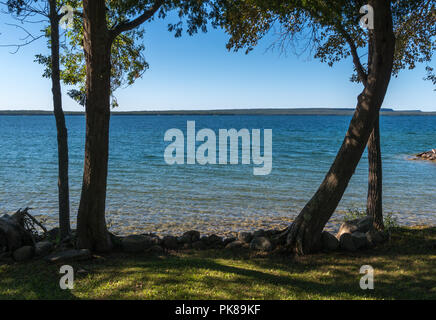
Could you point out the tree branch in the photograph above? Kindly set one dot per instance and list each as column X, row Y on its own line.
column 363, row 76
column 129, row 25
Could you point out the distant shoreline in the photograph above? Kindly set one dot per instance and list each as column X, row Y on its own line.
column 294, row 111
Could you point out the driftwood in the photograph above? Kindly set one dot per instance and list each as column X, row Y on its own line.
column 18, row 230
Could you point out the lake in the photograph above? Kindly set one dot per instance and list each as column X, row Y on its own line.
column 145, row 194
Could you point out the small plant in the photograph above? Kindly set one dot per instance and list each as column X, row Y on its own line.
column 390, row 221
column 354, row 213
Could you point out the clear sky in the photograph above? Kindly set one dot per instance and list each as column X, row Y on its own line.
column 199, row 73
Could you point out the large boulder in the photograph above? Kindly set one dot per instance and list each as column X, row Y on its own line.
column 261, row 244
column 69, row 255
column 346, row 242
column 376, row 237
column 245, row 236
column 24, row 253
column 213, row 241
column 259, row 233
column 170, row 242
column 328, row 241
column 237, row 244
column 43, row 248
column 356, row 225
column 360, row 240
column 190, row 236
column 136, row 243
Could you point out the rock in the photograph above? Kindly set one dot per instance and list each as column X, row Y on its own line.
column 346, row 242
column 245, row 236
column 360, row 240
column 329, row 242
column 156, row 249
column 198, row 245
column 213, row 241
column 187, row 246
column 259, row 233
column 190, row 236
column 43, row 248
column 376, row 237
column 170, row 242
column 356, row 225
column 24, row 253
column 237, row 244
column 70, row 255
column 271, row 233
column 428, row 155
column 136, row 243
column 226, row 241
column 261, row 243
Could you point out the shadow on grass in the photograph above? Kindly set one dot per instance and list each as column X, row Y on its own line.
column 404, row 269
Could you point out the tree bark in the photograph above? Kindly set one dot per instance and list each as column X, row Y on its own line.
column 62, row 134
column 304, row 234
column 374, row 200
column 91, row 224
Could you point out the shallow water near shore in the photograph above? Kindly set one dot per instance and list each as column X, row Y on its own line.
column 147, row 195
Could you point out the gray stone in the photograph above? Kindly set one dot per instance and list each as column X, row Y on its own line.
column 190, row 236
column 24, row 253
column 356, row 225
column 213, row 241
column 376, row 237
column 170, row 242
column 346, row 242
column 245, row 236
column 261, row 243
column 329, row 241
column 259, row 233
column 226, row 241
column 360, row 240
column 43, row 248
column 136, row 243
column 198, row 245
column 156, row 249
column 237, row 244
column 70, row 255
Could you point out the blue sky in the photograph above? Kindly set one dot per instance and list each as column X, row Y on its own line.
column 199, row 73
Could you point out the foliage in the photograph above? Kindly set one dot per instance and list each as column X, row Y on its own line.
column 329, row 29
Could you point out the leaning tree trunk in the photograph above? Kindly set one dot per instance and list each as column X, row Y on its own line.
column 304, row 234
column 374, row 200
column 62, row 135
column 92, row 232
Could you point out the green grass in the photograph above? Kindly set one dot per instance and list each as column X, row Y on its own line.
column 404, row 269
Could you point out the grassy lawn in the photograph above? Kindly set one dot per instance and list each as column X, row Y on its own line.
column 405, row 268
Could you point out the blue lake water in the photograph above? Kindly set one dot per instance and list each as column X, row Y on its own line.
column 147, row 195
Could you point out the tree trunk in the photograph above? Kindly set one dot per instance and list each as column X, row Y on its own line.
column 304, row 234
column 375, row 178
column 62, row 135
column 91, row 224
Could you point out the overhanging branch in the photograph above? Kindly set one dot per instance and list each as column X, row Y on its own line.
column 129, row 25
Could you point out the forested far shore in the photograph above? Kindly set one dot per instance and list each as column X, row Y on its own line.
column 272, row 111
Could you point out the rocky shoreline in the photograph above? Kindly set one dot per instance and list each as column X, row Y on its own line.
column 428, row 155
column 352, row 236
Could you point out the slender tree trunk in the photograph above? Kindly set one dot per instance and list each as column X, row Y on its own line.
column 374, row 201
column 62, row 135
column 91, row 224
column 304, row 234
